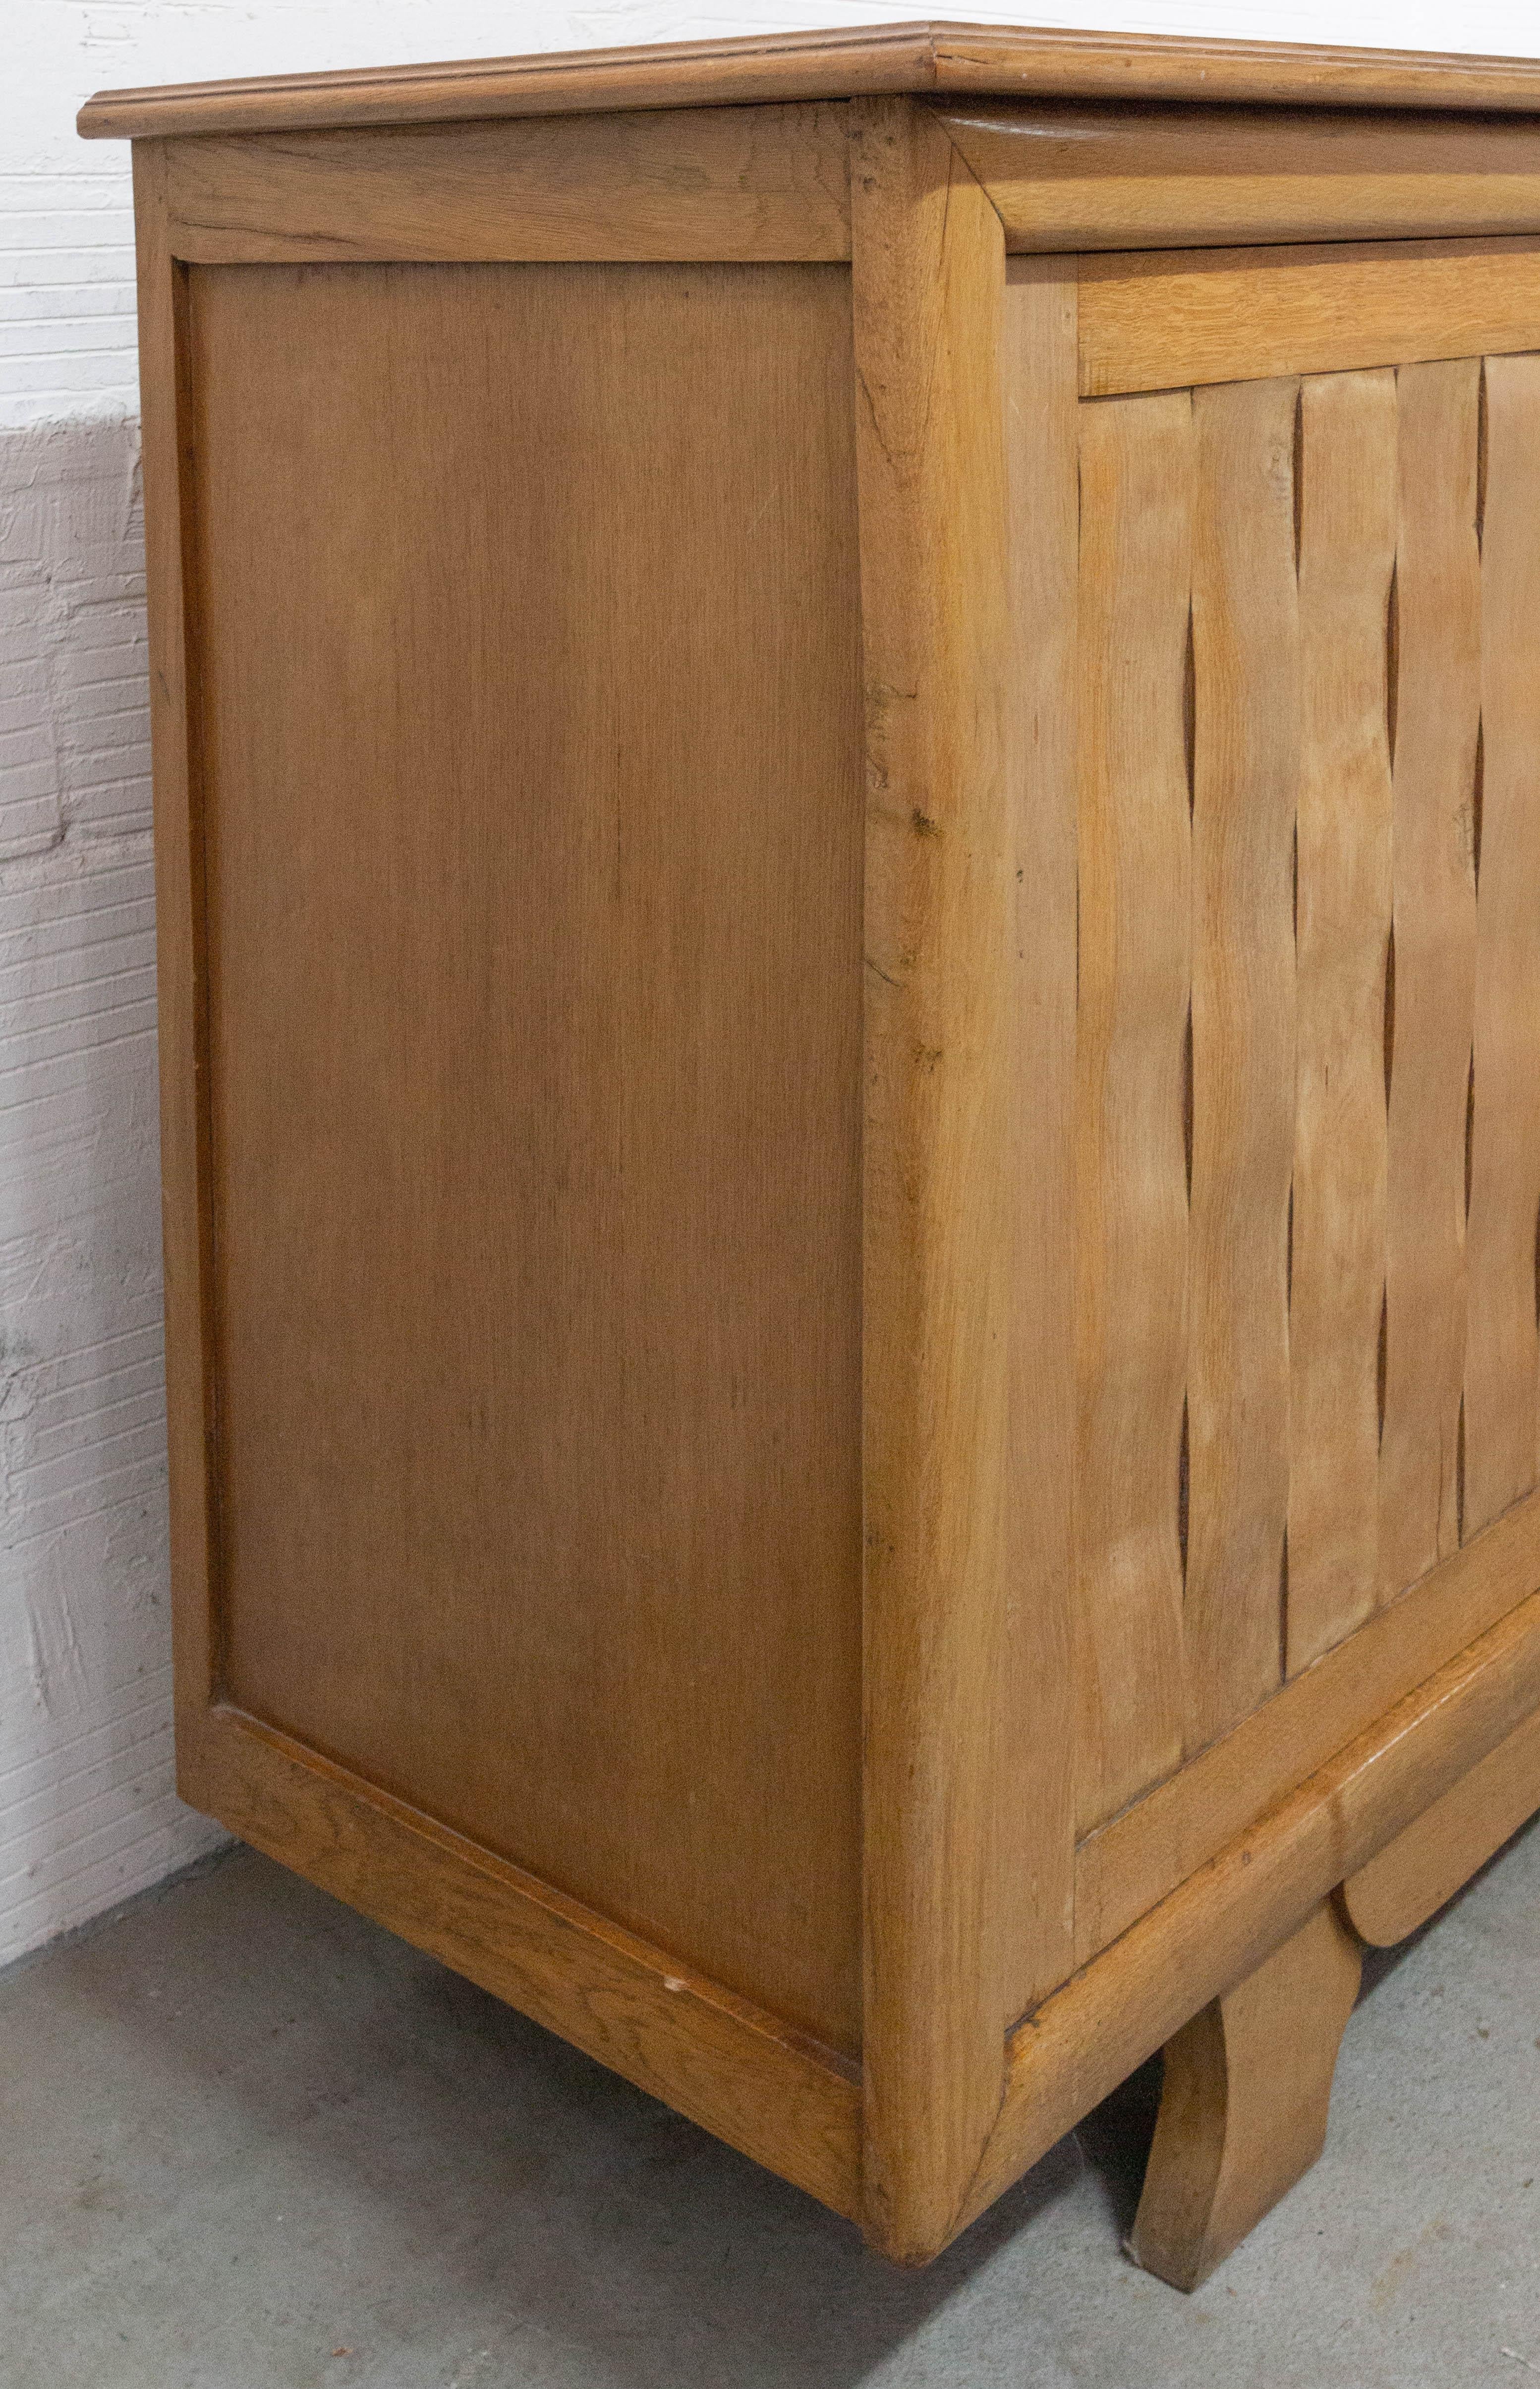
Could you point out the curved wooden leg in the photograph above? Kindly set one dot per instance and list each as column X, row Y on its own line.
column 1242, row 2111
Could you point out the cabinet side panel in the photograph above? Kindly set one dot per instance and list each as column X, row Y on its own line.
column 530, row 683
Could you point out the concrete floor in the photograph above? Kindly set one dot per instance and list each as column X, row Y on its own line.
column 249, row 2141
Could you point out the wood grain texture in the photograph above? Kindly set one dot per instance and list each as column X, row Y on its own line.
column 1138, row 467
column 929, row 277
column 1072, row 178
column 750, row 184
column 1329, row 1350
column 180, row 956
column 744, row 1364
column 1243, row 2103
column 1437, row 725
column 1347, row 523
column 1434, row 1857
column 905, row 58
column 1062, row 64
column 1246, row 705
column 1502, row 1250
column 1040, row 412
column 1375, row 1330
column 783, row 67
column 1222, row 1922
column 1128, row 1867
column 530, row 682
column 779, row 2099
column 1170, row 318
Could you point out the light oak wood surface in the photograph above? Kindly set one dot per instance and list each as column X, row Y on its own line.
column 1080, row 178
column 1221, row 1922
column 1246, row 704
column 1437, row 647
column 1346, row 507
column 1412, row 1877
column 1352, row 1343
column 1125, row 1869
column 750, row 184
column 1137, row 465
column 1037, row 1823
column 916, row 58
column 499, row 1056
column 1168, row 318
column 777, row 2095
column 1502, row 1389
column 853, row 1398
column 1244, row 2103
column 929, row 274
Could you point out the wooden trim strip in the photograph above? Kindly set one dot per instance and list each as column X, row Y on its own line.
column 555, row 83
column 1438, row 683
column 1247, row 695
column 1076, row 178
column 758, row 2084
column 1432, row 1859
column 1142, row 67
column 1041, row 416
column 1132, row 917
column 751, row 184
column 1170, row 319
column 1218, row 1926
column 1346, row 478
column 939, row 1187
column 1133, row 1861
column 905, row 58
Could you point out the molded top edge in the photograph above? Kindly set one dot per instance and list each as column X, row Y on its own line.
column 916, row 58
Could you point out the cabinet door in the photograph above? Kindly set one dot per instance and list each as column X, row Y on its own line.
column 1307, row 1052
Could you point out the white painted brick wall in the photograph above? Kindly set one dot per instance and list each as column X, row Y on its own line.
column 87, row 1810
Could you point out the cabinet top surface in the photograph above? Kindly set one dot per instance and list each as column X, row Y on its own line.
column 943, row 59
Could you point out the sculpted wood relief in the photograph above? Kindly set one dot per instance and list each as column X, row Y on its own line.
column 1309, row 1026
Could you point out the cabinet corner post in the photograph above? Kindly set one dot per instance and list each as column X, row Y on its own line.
column 928, row 267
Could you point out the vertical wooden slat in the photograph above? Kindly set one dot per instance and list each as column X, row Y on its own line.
column 1437, row 717
column 180, row 968
column 929, row 261
column 1500, row 1390
column 1039, row 362
column 1346, row 513
column 1137, row 481
column 1245, row 621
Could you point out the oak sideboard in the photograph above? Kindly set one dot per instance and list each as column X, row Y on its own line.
column 848, row 828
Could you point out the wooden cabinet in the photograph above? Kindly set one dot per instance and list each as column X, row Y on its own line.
column 847, row 748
